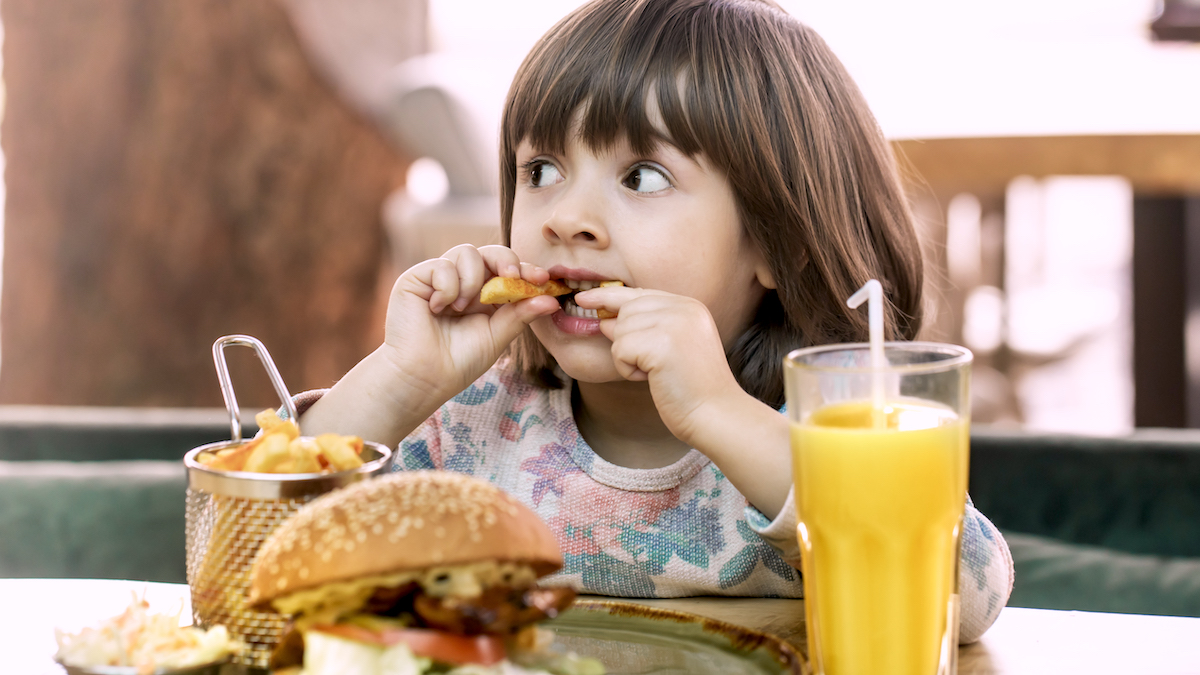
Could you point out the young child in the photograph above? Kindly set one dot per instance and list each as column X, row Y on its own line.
column 715, row 157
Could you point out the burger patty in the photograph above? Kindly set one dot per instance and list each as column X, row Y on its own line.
column 499, row 610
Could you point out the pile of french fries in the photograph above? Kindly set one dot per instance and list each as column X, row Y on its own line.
column 280, row 449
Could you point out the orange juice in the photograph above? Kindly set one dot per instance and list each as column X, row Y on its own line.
column 880, row 511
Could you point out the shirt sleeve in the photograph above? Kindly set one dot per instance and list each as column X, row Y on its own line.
column 985, row 578
column 985, row 575
column 779, row 533
column 303, row 401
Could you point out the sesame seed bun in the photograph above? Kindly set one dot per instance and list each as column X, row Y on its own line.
column 402, row 522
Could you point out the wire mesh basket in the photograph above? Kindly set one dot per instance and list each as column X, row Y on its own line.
column 231, row 513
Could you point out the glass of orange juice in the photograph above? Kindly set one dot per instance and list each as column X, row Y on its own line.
column 879, row 459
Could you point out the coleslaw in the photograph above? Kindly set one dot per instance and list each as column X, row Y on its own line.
column 146, row 642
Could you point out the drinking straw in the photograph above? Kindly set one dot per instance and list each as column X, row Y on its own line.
column 872, row 293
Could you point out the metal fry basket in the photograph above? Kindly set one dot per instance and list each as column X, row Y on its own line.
column 231, row 513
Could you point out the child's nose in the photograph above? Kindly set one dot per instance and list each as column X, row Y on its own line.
column 577, row 219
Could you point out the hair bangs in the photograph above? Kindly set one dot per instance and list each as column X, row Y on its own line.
column 613, row 72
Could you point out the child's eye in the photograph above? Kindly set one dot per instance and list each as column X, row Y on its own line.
column 542, row 173
column 646, row 178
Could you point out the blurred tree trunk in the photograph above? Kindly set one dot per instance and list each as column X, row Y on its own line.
column 177, row 171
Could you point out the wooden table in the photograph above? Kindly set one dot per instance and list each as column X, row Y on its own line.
column 1023, row 641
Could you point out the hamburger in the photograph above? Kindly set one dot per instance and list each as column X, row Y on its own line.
column 415, row 572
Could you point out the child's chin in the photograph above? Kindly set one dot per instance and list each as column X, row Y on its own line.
column 593, row 367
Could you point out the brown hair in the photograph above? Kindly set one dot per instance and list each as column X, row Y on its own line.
column 762, row 97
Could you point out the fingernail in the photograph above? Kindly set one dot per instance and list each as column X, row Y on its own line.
column 461, row 304
column 512, row 271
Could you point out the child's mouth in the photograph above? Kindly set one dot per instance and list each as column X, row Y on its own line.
column 568, row 301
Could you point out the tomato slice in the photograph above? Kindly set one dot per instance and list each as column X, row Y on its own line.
column 458, row 650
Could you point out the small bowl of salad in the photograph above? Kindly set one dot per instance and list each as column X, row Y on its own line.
column 137, row 642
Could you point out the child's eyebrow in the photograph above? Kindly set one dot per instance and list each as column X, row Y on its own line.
column 659, row 145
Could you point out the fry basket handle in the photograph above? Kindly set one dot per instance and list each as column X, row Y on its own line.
column 235, row 415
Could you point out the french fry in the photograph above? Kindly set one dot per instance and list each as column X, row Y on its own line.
column 234, row 459
column 502, row 290
column 270, row 453
column 303, row 453
column 339, row 451
column 270, row 423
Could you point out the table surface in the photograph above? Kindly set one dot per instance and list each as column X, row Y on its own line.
column 1023, row 641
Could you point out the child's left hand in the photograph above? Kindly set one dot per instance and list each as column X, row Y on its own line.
column 672, row 342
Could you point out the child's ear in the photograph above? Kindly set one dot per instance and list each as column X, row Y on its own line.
column 763, row 273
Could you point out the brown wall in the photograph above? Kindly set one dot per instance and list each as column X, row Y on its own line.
column 177, row 171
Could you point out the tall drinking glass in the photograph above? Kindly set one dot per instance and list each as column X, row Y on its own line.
column 880, row 494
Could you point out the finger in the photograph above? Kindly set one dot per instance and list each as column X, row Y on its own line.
column 611, row 298
column 627, row 366
column 417, row 279
column 508, row 321
column 501, row 261
column 534, row 274
column 640, row 312
column 444, row 280
column 631, row 373
column 632, row 354
column 608, row 328
column 472, row 272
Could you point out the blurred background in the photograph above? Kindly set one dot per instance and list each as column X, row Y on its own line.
column 176, row 170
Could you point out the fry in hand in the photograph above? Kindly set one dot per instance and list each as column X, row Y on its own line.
column 502, row 290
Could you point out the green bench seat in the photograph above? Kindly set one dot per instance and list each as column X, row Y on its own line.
column 1102, row 524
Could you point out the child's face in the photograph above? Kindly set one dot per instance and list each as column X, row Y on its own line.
column 660, row 221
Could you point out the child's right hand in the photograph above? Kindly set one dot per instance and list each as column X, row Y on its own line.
column 439, row 333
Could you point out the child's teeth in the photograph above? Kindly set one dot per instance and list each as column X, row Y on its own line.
column 586, row 285
column 571, row 309
column 572, row 283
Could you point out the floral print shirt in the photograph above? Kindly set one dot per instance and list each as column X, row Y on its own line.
column 679, row 530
